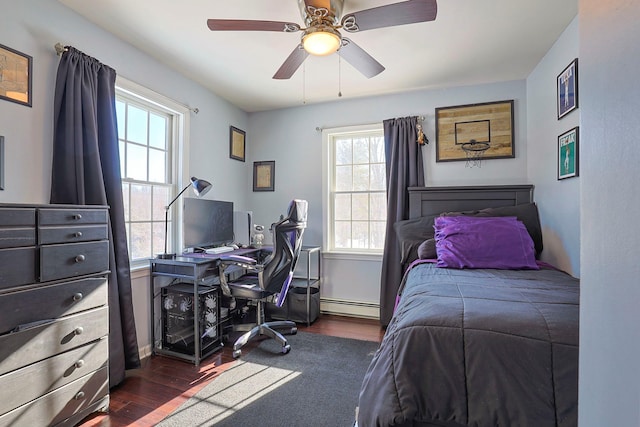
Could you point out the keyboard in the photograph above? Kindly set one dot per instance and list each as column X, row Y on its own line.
column 219, row 250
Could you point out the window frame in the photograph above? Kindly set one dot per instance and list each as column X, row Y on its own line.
column 328, row 168
column 179, row 152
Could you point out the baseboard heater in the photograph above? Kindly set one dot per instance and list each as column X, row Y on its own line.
column 342, row 307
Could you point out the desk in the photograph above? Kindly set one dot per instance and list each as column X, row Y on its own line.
column 202, row 271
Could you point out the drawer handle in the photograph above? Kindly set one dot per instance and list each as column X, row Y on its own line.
column 79, row 364
column 77, row 296
column 77, row 216
column 79, row 395
column 80, row 258
column 77, row 234
column 79, row 330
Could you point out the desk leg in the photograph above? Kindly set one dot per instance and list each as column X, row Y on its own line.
column 196, row 324
column 308, row 288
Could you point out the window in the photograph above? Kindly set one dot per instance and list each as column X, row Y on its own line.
column 148, row 130
column 356, row 207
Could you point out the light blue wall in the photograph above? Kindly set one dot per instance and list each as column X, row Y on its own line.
column 290, row 137
column 609, row 203
column 558, row 201
column 34, row 27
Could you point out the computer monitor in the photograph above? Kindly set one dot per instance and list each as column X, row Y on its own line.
column 207, row 223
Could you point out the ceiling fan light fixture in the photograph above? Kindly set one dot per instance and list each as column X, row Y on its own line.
column 321, row 40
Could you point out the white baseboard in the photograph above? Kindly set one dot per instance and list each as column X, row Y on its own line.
column 342, row 307
column 144, row 351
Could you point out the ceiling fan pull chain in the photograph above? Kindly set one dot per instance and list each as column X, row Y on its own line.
column 339, row 76
column 304, row 84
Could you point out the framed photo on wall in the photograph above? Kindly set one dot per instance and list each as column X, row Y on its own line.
column 15, row 76
column 264, row 176
column 488, row 124
column 567, row 86
column 568, row 154
column 236, row 143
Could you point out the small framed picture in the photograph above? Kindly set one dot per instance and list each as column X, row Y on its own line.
column 567, row 84
column 264, row 176
column 236, row 143
column 15, row 76
column 568, row 154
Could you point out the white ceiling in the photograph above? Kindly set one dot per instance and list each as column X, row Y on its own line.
column 470, row 42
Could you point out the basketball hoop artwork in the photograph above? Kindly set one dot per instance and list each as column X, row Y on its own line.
column 475, row 132
column 474, row 151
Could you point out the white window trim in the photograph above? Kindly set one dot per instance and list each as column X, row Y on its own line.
column 179, row 150
column 327, row 134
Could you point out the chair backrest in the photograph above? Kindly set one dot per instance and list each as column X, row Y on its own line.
column 287, row 238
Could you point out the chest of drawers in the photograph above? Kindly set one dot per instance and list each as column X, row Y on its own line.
column 54, row 325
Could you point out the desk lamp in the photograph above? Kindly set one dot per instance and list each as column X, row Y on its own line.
column 200, row 188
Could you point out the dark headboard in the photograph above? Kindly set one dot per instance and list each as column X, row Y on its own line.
column 425, row 201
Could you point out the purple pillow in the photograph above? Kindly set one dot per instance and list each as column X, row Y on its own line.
column 484, row 242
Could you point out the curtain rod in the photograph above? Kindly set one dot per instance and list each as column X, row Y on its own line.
column 320, row 128
column 60, row 48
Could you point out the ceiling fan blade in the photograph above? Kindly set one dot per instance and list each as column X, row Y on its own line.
column 361, row 60
column 406, row 12
column 291, row 64
column 246, row 25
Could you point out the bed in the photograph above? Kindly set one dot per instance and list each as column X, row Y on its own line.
column 470, row 344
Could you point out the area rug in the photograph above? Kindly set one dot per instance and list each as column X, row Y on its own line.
column 316, row 384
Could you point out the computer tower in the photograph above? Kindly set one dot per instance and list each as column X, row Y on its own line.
column 178, row 319
column 242, row 223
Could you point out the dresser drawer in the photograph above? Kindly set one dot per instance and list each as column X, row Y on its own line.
column 49, row 374
column 15, row 237
column 60, row 404
column 71, row 216
column 17, row 267
column 75, row 259
column 22, row 348
column 79, row 233
column 13, row 217
column 52, row 301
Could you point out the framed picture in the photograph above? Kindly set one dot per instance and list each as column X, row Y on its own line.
column 15, row 76
column 236, row 143
column 567, row 84
column 489, row 124
column 568, row 154
column 264, row 175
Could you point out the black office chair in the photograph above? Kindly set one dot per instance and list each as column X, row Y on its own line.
column 264, row 282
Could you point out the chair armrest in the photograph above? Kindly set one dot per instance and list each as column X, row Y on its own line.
column 247, row 263
column 238, row 259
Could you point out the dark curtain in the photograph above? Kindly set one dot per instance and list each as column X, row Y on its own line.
column 86, row 171
column 404, row 169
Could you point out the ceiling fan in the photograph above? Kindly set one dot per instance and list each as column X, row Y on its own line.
column 321, row 36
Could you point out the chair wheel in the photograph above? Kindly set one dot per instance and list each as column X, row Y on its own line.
column 294, row 330
column 236, row 353
column 286, row 349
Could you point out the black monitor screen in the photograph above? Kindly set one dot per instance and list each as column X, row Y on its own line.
column 207, row 223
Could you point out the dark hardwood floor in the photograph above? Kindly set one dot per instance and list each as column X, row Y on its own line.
column 151, row 393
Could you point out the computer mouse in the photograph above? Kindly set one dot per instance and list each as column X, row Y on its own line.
column 234, row 246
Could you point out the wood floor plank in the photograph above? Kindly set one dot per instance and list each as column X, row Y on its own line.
column 162, row 384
